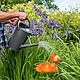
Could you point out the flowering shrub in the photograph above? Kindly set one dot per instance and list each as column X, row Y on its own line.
column 56, row 28
column 60, row 25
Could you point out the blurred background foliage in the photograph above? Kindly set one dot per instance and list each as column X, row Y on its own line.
column 47, row 3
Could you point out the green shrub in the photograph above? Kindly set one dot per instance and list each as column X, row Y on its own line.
column 21, row 65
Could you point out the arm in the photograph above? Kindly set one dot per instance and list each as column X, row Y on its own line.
column 4, row 16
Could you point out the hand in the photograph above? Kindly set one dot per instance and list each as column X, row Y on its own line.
column 13, row 21
column 22, row 16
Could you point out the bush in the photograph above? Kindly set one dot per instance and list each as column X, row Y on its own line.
column 58, row 28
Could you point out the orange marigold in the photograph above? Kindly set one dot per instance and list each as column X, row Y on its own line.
column 46, row 67
column 55, row 58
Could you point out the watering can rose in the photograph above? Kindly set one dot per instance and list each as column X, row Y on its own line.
column 55, row 58
column 46, row 67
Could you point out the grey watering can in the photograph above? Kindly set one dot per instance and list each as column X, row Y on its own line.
column 19, row 36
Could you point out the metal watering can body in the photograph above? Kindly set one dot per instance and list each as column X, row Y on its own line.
column 19, row 36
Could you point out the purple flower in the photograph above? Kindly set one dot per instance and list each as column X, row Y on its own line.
column 40, row 13
column 52, row 22
column 55, row 37
column 35, row 34
column 46, row 23
column 3, row 52
column 40, row 34
column 31, row 25
column 34, row 21
column 11, row 29
column 7, row 35
column 60, row 26
column 79, row 27
column 68, row 31
column 22, row 10
column 37, row 10
column 39, row 30
column 11, row 26
column 44, row 17
column 39, row 24
column 52, row 31
column 41, row 20
column 59, row 35
column 44, row 13
column 34, row 7
column 1, row 47
column 55, row 26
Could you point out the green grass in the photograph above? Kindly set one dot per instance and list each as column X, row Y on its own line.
column 21, row 65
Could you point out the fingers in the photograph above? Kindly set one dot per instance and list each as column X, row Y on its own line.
column 14, row 21
column 23, row 16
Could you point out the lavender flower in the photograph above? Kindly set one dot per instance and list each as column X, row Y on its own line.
column 3, row 52
column 32, row 25
column 39, row 24
column 44, row 13
column 52, row 22
column 55, row 26
column 40, row 34
column 52, row 31
column 22, row 10
column 44, row 17
column 46, row 23
column 39, row 30
column 34, row 21
column 59, row 36
column 40, row 13
column 55, row 37
column 1, row 47
column 11, row 28
column 68, row 31
column 35, row 34
column 41, row 20
column 60, row 26
column 34, row 7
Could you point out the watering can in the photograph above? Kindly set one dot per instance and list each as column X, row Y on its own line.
column 19, row 36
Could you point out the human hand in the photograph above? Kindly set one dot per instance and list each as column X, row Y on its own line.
column 13, row 21
column 22, row 16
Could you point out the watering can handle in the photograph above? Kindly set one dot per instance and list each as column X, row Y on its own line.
column 21, row 21
column 29, row 22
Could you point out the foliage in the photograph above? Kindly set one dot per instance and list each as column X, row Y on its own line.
column 21, row 65
column 13, row 1
column 9, row 3
column 65, row 25
column 46, row 3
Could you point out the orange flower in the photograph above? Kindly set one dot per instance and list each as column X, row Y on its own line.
column 46, row 67
column 55, row 58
